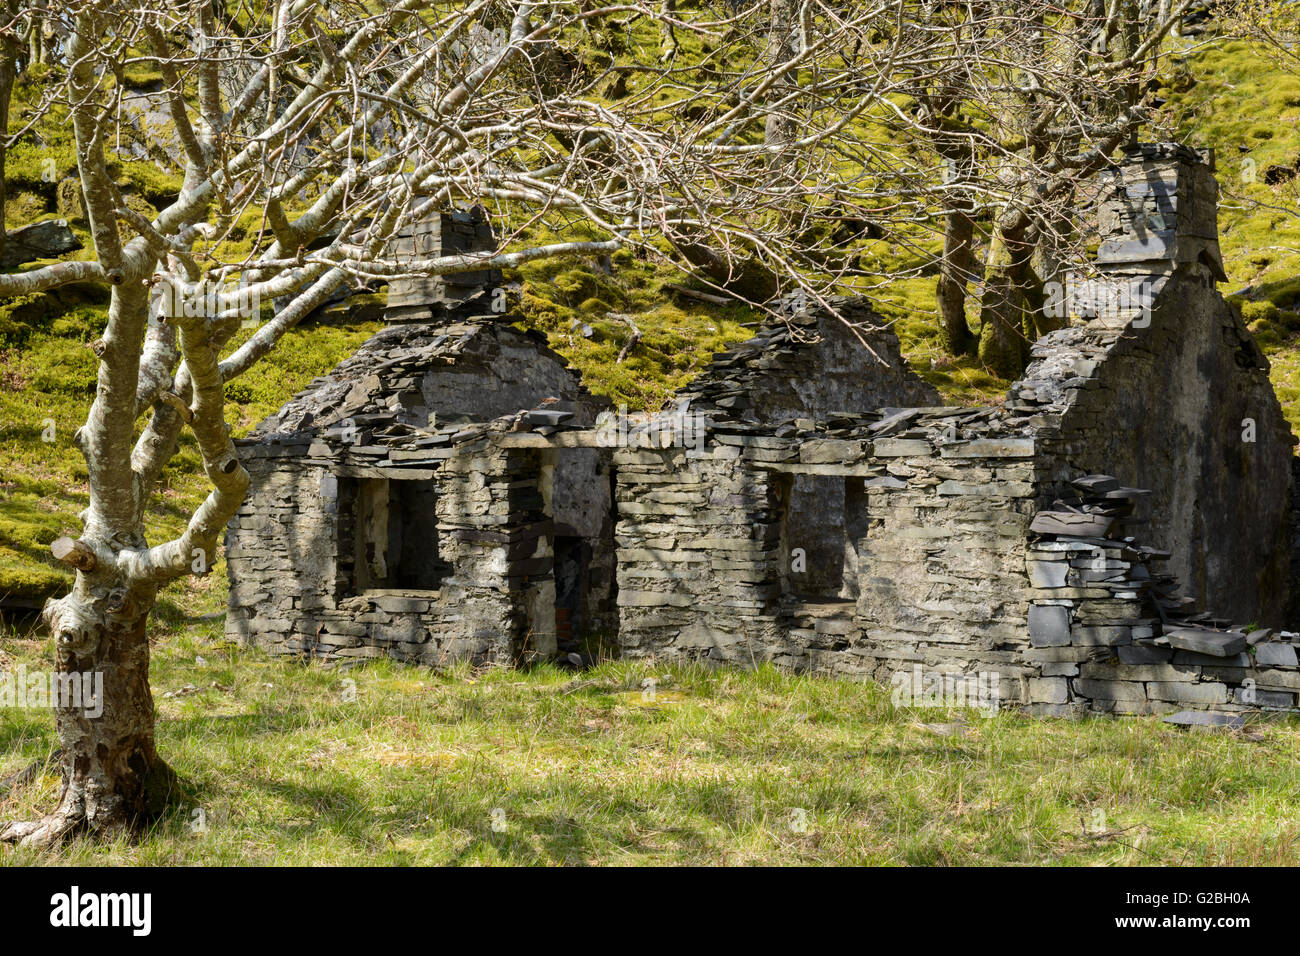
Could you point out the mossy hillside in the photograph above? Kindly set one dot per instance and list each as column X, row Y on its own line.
column 1232, row 97
column 47, row 376
column 45, row 158
column 565, row 298
column 577, row 304
column 679, row 334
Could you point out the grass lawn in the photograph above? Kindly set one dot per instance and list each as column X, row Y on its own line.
column 384, row 764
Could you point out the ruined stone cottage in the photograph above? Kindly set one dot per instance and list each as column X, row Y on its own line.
column 1100, row 541
column 384, row 520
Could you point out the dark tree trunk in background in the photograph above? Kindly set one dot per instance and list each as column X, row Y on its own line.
column 1002, row 344
column 1007, row 304
column 954, row 274
column 10, row 46
column 748, row 278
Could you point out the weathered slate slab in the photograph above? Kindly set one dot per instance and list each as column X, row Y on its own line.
column 990, row 448
column 1049, row 626
column 1067, row 522
column 1096, row 484
column 1206, row 692
column 1144, row 654
column 901, row 447
column 1275, row 655
column 892, row 423
column 1047, row 574
column 544, row 416
column 1205, row 641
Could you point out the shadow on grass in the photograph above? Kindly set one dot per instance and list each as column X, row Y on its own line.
column 524, row 838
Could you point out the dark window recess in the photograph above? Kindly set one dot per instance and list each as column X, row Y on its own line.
column 389, row 536
column 822, row 526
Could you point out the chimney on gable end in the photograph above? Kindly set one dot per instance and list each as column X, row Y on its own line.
column 425, row 299
column 1157, row 210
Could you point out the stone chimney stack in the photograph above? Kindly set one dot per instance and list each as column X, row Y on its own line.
column 1157, row 210
column 448, row 233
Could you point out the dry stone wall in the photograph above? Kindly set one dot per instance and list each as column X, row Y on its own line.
column 291, row 582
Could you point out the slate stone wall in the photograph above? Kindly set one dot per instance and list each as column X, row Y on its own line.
column 946, row 578
column 290, row 594
column 1169, row 405
column 933, row 553
column 467, row 368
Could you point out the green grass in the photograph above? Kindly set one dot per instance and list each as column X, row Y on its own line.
column 547, row 767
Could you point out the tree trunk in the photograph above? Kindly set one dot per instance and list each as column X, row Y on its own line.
column 113, row 780
column 8, row 73
column 1037, row 322
column 1001, row 346
column 667, row 38
column 1004, row 347
column 746, row 277
column 954, row 273
column 783, row 35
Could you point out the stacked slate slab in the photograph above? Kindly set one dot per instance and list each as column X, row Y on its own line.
column 1158, row 210
column 1112, row 636
column 808, row 363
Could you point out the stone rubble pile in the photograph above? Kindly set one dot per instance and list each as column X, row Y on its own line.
column 807, row 358
column 405, row 373
column 1112, row 637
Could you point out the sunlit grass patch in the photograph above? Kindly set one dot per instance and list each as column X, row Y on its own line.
column 634, row 762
